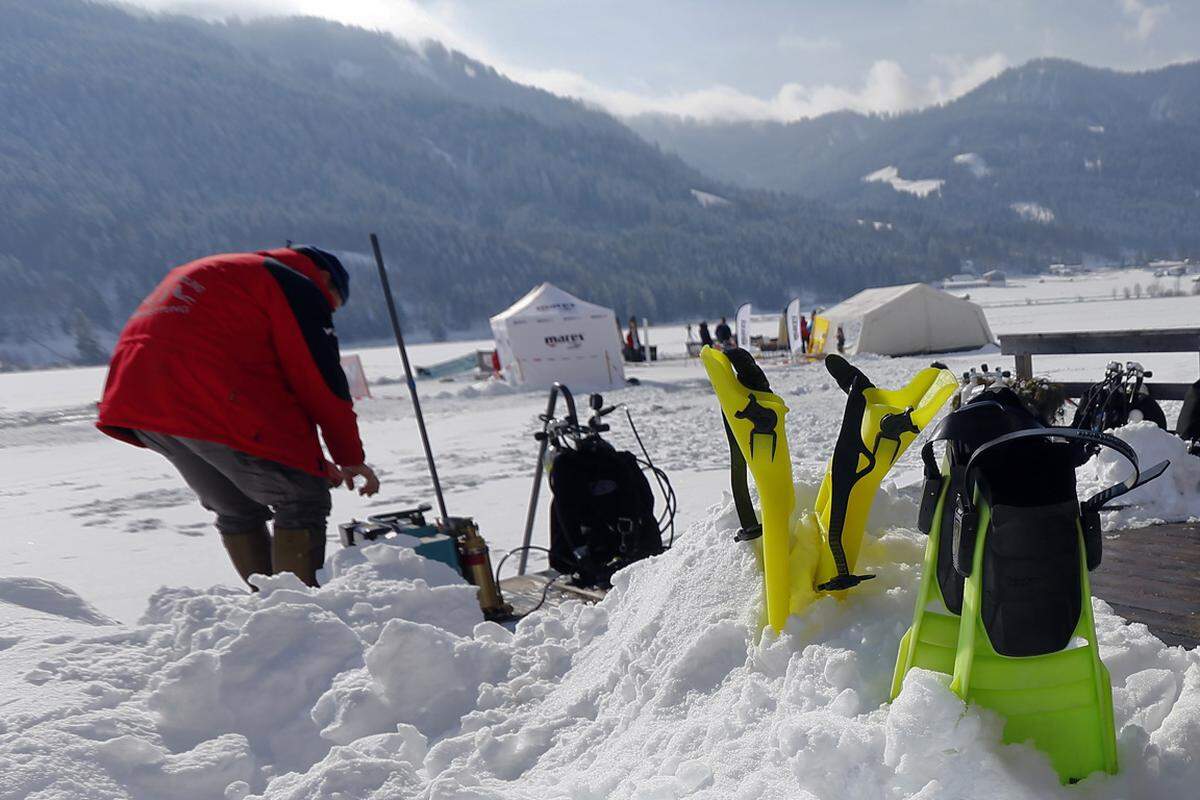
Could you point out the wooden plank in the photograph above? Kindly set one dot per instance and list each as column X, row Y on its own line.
column 1164, row 626
column 524, row 592
column 1175, row 580
column 1171, row 340
column 1174, row 602
column 1167, row 561
column 1152, row 575
column 1024, row 364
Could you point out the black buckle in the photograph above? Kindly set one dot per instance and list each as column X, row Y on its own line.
column 930, row 495
column 748, row 534
column 1093, row 541
column 966, row 526
column 840, row 582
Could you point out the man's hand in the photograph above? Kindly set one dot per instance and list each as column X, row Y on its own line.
column 333, row 473
column 370, row 481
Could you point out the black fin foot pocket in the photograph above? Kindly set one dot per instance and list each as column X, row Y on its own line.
column 845, row 373
column 747, row 370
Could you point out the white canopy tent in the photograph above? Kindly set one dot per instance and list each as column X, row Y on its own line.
column 908, row 319
column 549, row 335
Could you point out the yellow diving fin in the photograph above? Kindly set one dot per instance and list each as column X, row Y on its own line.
column 878, row 426
column 754, row 423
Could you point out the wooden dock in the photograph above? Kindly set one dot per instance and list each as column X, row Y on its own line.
column 1152, row 575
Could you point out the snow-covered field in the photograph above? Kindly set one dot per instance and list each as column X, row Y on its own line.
column 385, row 684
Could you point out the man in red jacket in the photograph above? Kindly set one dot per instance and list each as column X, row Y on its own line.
column 227, row 369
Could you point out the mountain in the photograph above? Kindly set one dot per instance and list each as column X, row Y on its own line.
column 133, row 142
column 1092, row 155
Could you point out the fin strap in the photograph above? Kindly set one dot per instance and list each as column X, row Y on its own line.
column 966, row 516
column 740, row 488
column 844, row 474
column 1074, row 435
column 931, row 491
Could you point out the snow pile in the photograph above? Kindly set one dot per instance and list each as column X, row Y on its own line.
column 1172, row 497
column 975, row 163
column 891, row 176
column 384, row 683
column 217, row 688
column 1033, row 212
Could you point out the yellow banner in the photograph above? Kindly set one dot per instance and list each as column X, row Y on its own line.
column 817, row 335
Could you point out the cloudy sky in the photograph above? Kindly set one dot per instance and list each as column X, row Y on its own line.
column 763, row 59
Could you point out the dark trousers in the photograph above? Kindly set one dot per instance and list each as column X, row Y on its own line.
column 242, row 490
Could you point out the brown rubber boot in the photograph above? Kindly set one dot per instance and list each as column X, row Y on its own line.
column 292, row 551
column 250, row 552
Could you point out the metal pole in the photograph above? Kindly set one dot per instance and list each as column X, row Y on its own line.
column 531, row 514
column 412, row 385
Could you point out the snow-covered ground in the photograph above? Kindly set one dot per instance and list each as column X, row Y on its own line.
column 384, row 683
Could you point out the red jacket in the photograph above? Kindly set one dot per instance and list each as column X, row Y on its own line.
column 237, row 349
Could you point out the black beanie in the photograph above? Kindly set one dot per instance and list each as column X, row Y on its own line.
column 328, row 262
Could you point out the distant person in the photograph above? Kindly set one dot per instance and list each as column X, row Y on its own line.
column 803, row 334
column 841, row 340
column 633, row 343
column 724, row 335
column 227, row 369
column 690, row 338
column 705, row 337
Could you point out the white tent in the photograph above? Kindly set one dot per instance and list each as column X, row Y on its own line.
column 549, row 335
column 903, row 320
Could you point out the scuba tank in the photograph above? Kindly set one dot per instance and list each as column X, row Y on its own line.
column 476, row 563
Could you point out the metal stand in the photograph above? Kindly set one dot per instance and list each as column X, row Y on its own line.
column 557, row 389
column 408, row 375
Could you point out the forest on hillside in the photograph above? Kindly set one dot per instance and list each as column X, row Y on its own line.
column 132, row 143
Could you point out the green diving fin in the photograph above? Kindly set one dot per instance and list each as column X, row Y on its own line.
column 754, row 424
column 932, row 640
column 1004, row 604
column 878, row 426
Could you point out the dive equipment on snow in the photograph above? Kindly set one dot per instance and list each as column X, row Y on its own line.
column 1004, row 599
column 878, row 426
column 431, row 543
column 602, row 517
column 754, row 426
column 477, row 567
column 1120, row 398
column 455, row 543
